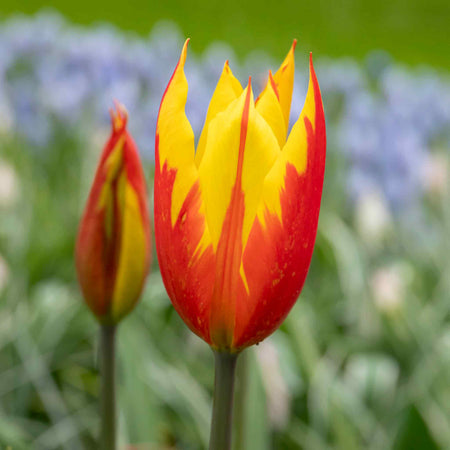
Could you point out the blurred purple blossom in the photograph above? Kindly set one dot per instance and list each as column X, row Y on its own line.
column 384, row 119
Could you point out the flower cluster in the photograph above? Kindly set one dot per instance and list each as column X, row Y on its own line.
column 385, row 119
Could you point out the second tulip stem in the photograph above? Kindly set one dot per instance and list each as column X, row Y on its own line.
column 108, row 387
column 225, row 365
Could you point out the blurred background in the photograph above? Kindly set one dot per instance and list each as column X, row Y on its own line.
column 363, row 360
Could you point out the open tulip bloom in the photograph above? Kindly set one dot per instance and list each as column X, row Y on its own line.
column 236, row 219
column 113, row 250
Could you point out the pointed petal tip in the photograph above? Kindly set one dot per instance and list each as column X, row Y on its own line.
column 312, row 75
column 311, row 65
column 119, row 116
column 294, row 44
column 248, row 91
column 184, row 51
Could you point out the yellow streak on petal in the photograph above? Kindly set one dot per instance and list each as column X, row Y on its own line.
column 217, row 170
column 228, row 89
column 284, row 79
column 204, row 242
column 269, row 107
column 218, row 167
column 111, row 167
column 261, row 152
column 114, row 160
column 132, row 260
column 294, row 152
column 244, row 277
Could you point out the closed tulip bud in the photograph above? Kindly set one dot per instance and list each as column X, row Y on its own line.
column 113, row 246
column 236, row 219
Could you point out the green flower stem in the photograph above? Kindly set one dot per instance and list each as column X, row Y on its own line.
column 225, row 365
column 108, row 387
column 240, row 404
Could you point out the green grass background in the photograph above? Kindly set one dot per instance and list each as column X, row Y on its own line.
column 412, row 31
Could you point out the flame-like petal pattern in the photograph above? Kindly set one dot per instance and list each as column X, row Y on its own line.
column 236, row 221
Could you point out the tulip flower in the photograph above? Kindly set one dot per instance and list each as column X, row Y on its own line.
column 236, row 219
column 113, row 246
column 113, row 251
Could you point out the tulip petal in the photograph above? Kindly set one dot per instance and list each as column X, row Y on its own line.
column 284, row 80
column 175, row 136
column 240, row 150
column 280, row 245
column 182, row 238
column 294, row 152
column 187, row 267
column 228, row 89
column 132, row 260
column 268, row 105
column 229, row 248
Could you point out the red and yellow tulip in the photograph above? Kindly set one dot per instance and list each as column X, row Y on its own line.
column 236, row 219
column 113, row 246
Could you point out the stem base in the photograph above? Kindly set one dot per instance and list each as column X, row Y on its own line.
column 225, row 365
column 108, row 387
